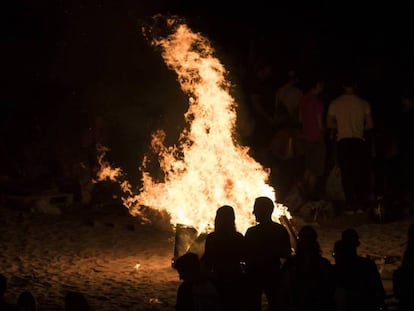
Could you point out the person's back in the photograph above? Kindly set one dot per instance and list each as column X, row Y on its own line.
column 311, row 117
column 266, row 244
column 289, row 97
column 75, row 301
column 223, row 255
column 403, row 277
column 4, row 305
column 308, row 281
column 351, row 114
column 312, row 113
column 357, row 276
column 349, row 119
column 195, row 293
column 224, row 248
column 26, row 301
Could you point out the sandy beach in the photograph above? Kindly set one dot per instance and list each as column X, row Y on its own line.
column 120, row 264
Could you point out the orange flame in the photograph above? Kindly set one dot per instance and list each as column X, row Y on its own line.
column 208, row 168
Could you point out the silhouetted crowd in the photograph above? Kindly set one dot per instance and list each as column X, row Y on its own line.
column 263, row 269
column 73, row 301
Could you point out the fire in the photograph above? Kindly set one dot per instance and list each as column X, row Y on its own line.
column 208, row 168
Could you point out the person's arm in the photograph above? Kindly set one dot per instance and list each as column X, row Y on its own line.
column 207, row 260
column 285, row 247
column 368, row 130
column 368, row 120
column 331, row 123
column 331, row 119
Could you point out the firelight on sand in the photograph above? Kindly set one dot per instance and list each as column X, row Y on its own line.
column 207, row 168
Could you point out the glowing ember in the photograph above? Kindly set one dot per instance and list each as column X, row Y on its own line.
column 208, row 168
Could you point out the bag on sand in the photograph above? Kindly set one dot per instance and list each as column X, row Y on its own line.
column 333, row 188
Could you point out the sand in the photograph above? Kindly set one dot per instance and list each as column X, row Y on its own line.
column 96, row 250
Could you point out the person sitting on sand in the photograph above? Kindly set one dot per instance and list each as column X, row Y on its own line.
column 403, row 277
column 75, row 301
column 26, row 301
column 196, row 292
column 3, row 304
column 358, row 282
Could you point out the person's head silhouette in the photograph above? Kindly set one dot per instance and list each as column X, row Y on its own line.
column 26, row 301
column 3, row 285
column 351, row 238
column 307, row 243
column 224, row 221
column 75, row 301
column 307, row 233
column 188, row 267
column 340, row 252
column 263, row 209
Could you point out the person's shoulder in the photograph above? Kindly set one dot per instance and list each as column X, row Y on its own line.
column 366, row 262
column 8, row 307
column 239, row 235
column 278, row 225
column 335, row 102
column 296, row 90
column 290, row 263
column 360, row 99
column 211, row 236
column 339, row 98
column 252, row 229
column 325, row 262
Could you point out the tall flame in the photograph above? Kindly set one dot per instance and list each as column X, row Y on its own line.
column 208, row 168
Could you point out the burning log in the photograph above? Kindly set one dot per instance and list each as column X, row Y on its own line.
column 293, row 233
column 187, row 240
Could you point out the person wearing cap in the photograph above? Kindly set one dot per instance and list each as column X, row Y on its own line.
column 308, row 282
column 358, row 281
column 196, row 292
column 266, row 244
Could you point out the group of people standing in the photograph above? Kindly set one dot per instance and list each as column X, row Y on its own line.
column 346, row 122
column 236, row 271
column 230, row 259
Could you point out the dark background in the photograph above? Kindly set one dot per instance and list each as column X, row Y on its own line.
column 79, row 71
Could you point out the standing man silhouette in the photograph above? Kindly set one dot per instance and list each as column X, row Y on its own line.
column 350, row 117
column 266, row 243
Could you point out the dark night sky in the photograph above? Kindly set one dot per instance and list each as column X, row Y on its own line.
column 64, row 62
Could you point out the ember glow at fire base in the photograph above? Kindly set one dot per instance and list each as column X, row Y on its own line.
column 207, row 168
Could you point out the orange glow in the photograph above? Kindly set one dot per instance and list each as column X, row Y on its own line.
column 208, row 168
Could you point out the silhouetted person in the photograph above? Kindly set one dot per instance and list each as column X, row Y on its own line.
column 3, row 304
column 223, row 257
column 308, row 281
column 75, row 301
column 261, row 98
column 287, row 102
column 266, row 244
column 312, row 116
column 406, row 150
column 358, row 282
column 196, row 292
column 403, row 277
column 349, row 118
column 26, row 301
